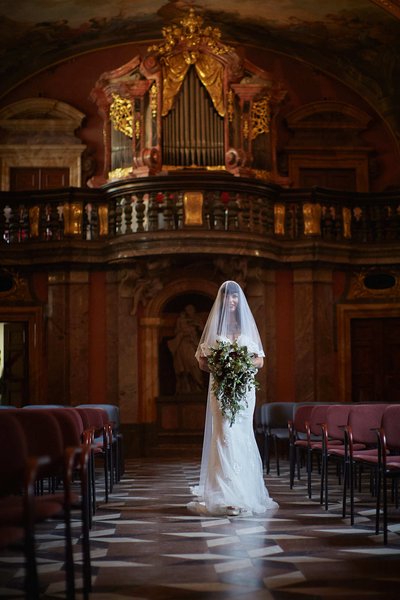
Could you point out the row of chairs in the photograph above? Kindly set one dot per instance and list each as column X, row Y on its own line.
column 354, row 437
column 47, row 470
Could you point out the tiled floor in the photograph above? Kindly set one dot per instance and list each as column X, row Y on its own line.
column 145, row 545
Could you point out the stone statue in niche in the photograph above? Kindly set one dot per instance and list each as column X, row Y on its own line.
column 183, row 347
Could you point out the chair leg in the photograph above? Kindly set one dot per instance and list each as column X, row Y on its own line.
column 309, row 468
column 385, row 533
column 292, row 460
column 378, row 500
column 345, row 486
column 351, row 485
column 31, row 575
column 276, row 450
column 266, row 452
column 85, row 512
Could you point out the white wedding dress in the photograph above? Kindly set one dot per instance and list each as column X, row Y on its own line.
column 234, row 475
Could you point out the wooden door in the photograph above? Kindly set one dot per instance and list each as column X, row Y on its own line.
column 38, row 178
column 15, row 376
column 375, row 360
column 337, row 179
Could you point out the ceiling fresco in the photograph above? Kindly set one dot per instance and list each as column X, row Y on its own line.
column 357, row 41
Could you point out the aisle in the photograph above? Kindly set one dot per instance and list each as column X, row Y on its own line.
column 145, row 545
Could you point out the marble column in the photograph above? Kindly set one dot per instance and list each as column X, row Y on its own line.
column 68, row 337
column 314, row 349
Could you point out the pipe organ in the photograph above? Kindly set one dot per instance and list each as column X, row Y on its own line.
column 189, row 102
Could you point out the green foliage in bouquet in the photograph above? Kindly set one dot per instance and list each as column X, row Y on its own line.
column 233, row 375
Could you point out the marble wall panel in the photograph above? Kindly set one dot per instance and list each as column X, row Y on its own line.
column 324, row 338
column 112, row 287
column 57, row 337
column 260, row 292
column 67, row 337
column 127, row 361
column 304, row 335
column 314, row 335
column 78, row 336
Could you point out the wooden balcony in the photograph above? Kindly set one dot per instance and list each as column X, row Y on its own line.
column 198, row 213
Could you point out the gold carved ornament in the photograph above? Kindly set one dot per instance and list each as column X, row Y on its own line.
column 312, row 218
column 279, row 219
column 193, row 208
column 153, row 100
column 346, row 213
column 72, row 215
column 183, row 48
column 34, row 214
column 121, row 115
column 231, row 106
column 260, row 117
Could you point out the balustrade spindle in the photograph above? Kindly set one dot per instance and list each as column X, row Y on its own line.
column 111, row 217
column 95, row 222
column 140, row 213
column 263, row 217
column 219, row 213
column 169, row 213
column 152, row 214
column 118, row 216
column 128, row 216
column 232, row 213
column 244, row 212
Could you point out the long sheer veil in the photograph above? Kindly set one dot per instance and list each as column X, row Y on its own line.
column 221, row 326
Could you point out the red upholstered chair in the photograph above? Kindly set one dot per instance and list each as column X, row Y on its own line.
column 360, row 436
column 274, row 419
column 298, row 429
column 117, row 438
column 333, row 437
column 19, row 509
column 317, row 416
column 76, row 451
column 388, row 461
column 96, row 421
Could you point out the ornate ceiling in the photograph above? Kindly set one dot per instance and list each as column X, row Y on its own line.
column 356, row 41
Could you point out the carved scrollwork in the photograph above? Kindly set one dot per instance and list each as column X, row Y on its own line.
column 260, row 117
column 121, row 115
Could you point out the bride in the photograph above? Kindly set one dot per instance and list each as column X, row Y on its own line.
column 231, row 475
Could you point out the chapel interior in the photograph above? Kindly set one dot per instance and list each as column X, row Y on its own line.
column 150, row 151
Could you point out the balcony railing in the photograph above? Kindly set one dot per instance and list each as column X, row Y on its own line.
column 196, row 207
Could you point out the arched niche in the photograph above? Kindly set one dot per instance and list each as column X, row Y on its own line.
column 40, row 132
column 153, row 323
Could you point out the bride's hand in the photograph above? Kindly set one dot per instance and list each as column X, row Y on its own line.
column 258, row 361
column 203, row 364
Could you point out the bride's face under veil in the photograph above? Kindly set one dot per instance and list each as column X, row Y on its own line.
column 230, row 318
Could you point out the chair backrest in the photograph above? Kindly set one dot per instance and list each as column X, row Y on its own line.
column 111, row 409
column 364, row 419
column 318, row 417
column 93, row 417
column 337, row 416
column 13, row 453
column 44, row 437
column 275, row 415
column 70, row 424
column 391, row 426
column 301, row 416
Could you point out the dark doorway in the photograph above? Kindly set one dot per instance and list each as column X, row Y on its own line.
column 14, row 379
column 375, row 360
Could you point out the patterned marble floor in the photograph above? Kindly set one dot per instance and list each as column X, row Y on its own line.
column 145, row 545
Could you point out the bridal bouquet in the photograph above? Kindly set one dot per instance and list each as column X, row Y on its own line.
column 233, row 375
